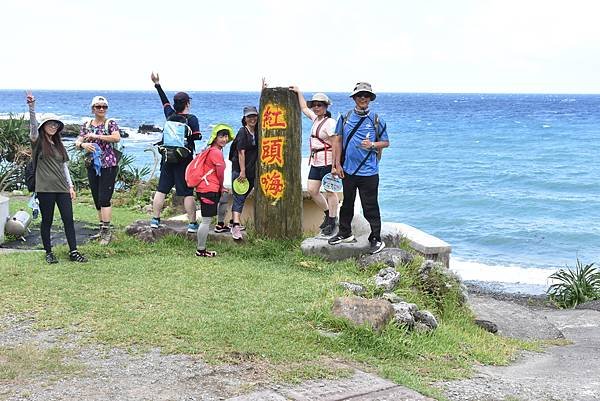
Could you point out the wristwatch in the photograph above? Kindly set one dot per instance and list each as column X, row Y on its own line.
column 373, row 146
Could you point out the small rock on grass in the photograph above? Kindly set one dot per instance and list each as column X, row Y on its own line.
column 387, row 279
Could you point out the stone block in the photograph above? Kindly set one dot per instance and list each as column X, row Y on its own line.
column 374, row 312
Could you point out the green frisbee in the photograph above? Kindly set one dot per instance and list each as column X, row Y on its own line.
column 241, row 187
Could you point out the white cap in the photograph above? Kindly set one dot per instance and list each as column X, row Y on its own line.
column 99, row 100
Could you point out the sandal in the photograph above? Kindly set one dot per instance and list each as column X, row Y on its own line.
column 206, row 254
column 50, row 258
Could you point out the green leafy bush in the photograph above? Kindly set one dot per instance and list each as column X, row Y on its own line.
column 15, row 152
column 574, row 287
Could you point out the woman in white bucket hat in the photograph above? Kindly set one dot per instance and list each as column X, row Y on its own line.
column 53, row 184
column 321, row 155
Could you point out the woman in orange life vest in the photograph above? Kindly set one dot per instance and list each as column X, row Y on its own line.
column 321, row 155
column 206, row 173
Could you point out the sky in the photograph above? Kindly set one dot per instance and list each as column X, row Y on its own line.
column 505, row 46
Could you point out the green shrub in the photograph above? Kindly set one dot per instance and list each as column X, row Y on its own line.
column 574, row 287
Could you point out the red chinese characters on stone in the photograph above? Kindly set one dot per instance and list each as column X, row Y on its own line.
column 272, row 184
column 273, row 117
column 272, row 150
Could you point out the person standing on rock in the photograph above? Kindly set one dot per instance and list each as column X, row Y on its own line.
column 53, row 184
column 361, row 136
column 183, row 128
column 99, row 135
column 321, row 155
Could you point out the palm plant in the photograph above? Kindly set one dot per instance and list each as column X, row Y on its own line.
column 574, row 287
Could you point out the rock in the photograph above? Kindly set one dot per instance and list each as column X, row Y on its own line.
column 356, row 289
column 387, row 279
column 146, row 128
column 487, row 325
column 392, row 257
column 403, row 314
column 437, row 280
column 593, row 305
column 421, row 327
column 426, row 317
column 142, row 231
column 391, row 297
column 375, row 312
column 319, row 247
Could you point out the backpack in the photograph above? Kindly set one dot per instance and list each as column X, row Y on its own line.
column 196, row 172
column 175, row 133
column 117, row 146
column 31, row 167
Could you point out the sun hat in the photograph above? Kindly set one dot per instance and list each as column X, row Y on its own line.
column 216, row 129
column 61, row 125
column 181, row 97
column 99, row 100
column 250, row 110
column 319, row 97
column 363, row 87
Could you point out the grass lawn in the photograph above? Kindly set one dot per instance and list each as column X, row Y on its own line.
column 261, row 301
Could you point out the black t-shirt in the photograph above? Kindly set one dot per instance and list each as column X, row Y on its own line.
column 249, row 143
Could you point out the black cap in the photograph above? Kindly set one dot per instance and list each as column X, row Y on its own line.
column 181, row 97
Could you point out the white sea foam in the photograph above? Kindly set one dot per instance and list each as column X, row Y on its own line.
column 476, row 271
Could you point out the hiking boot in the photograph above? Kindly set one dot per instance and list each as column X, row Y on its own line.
column 339, row 238
column 222, row 228
column 75, row 256
column 376, row 246
column 105, row 236
column 236, row 232
column 50, row 258
column 325, row 220
column 329, row 229
column 155, row 222
column 193, row 228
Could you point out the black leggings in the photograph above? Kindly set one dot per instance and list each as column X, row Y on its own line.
column 102, row 186
column 65, row 207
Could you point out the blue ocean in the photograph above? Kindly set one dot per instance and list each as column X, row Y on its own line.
column 509, row 180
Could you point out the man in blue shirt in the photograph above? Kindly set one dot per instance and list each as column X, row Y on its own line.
column 361, row 136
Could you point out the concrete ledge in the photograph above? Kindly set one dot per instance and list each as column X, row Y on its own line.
column 425, row 244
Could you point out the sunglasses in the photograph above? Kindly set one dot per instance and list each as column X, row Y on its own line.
column 101, row 107
column 363, row 94
column 318, row 104
column 52, row 124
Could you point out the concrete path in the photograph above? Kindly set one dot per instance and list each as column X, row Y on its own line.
column 570, row 372
column 360, row 387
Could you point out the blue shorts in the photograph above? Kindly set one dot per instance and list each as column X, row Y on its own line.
column 174, row 175
column 317, row 173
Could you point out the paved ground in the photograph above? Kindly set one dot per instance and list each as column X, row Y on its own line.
column 560, row 373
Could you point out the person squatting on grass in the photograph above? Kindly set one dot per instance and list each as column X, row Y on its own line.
column 177, row 149
column 96, row 138
column 207, row 173
column 361, row 135
column 321, row 155
column 53, row 184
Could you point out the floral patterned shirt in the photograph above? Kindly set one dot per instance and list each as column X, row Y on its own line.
column 108, row 158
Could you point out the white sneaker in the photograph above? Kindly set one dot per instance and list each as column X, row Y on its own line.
column 236, row 232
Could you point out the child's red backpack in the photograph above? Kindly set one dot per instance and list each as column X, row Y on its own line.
column 197, row 172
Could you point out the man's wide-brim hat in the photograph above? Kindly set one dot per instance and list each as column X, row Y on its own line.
column 220, row 127
column 61, row 125
column 363, row 87
column 319, row 97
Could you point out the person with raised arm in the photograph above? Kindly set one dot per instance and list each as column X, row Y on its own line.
column 321, row 155
column 177, row 148
column 53, row 184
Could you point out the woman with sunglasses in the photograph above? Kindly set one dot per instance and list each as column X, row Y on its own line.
column 53, row 185
column 98, row 135
column 321, row 155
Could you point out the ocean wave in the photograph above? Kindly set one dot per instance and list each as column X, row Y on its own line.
column 514, row 274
